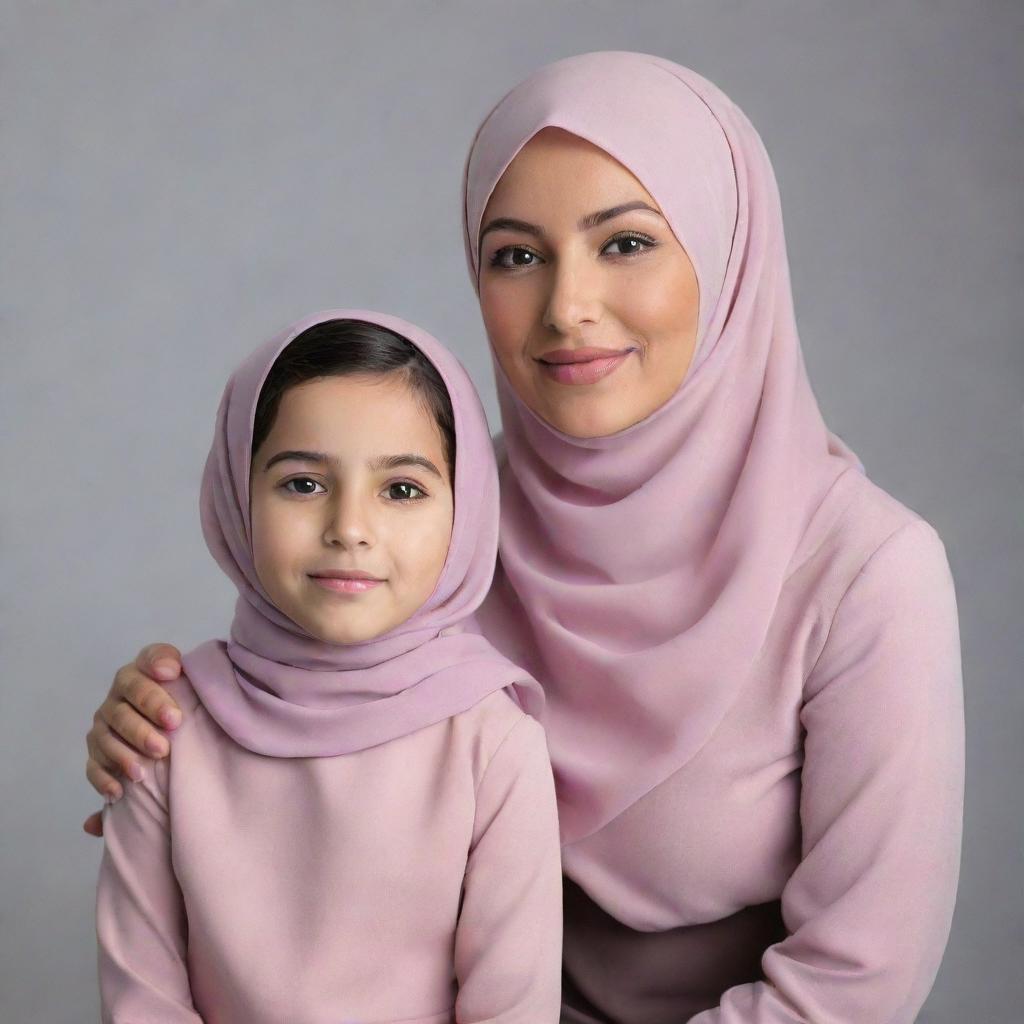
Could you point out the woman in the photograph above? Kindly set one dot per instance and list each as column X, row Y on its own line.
column 750, row 652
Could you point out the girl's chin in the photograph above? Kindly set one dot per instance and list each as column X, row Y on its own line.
column 345, row 637
column 342, row 633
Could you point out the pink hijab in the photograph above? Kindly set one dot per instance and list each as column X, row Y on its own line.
column 639, row 572
column 277, row 690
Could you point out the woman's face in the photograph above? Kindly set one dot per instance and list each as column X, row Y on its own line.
column 562, row 273
column 352, row 476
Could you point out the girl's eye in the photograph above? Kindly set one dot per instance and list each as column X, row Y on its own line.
column 408, row 486
column 511, row 256
column 304, row 485
column 632, row 243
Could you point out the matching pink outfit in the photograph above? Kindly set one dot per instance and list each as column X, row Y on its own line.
column 343, row 834
column 749, row 652
column 753, row 703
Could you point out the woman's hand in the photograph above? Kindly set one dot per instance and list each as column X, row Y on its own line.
column 123, row 734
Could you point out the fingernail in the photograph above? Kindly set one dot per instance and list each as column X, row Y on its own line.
column 135, row 772
column 156, row 745
column 110, row 795
column 165, row 669
column 170, row 717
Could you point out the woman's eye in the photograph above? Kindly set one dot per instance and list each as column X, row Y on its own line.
column 405, row 485
column 631, row 244
column 303, row 485
column 512, row 256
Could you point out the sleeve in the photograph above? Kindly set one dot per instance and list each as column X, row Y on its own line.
column 868, row 908
column 141, row 925
column 508, row 942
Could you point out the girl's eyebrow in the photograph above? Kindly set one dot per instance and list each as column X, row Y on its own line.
column 377, row 464
column 591, row 220
column 385, row 462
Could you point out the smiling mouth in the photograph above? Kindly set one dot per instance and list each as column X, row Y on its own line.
column 582, row 366
column 345, row 585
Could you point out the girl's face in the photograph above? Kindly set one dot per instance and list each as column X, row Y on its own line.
column 352, row 476
column 564, row 268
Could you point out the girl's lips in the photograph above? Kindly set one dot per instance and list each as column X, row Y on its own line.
column 584, row 372
column 341, row 586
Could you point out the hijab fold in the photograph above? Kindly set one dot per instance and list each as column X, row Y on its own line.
column 639, row 572
column 276, row 689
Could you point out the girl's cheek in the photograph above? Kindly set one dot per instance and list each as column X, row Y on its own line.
column 275, row 534
column 439, row 540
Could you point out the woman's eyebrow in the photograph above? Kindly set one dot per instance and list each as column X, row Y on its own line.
column 591, row 220
column 377, row 464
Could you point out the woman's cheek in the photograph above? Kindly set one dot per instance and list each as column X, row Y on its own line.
column 506, row 314
column 662, row 309
column 647, row 297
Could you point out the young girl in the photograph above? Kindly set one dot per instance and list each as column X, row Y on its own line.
column 358, row 820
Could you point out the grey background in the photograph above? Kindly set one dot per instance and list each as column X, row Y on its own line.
column 180, row 179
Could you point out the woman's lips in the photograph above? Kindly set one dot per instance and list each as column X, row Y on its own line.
column 586, row 371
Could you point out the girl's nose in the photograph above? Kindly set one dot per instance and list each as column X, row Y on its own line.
column 349, row 522
column 575, row 297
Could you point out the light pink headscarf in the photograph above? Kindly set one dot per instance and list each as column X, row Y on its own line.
column 277, row 690
column 639, row 572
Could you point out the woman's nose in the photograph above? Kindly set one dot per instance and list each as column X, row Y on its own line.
column 575, row 294
column 349, row 521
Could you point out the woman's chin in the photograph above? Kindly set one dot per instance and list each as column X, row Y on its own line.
column 595, row 417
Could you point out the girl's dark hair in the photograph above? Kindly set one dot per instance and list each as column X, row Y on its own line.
column 339, row 348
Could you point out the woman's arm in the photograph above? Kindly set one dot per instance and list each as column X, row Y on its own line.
column 508, row 944
column 869, row 906
column 120, row 733
column 141, row 924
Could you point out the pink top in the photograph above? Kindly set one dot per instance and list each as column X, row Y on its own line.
column 802, row 867
column 417, row 881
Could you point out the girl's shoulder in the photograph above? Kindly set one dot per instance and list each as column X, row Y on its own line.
column 497, row 723
column 183, row 692
column 492, row 717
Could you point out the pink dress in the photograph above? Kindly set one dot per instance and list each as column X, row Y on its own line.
column 802, row 867
column 416, row 881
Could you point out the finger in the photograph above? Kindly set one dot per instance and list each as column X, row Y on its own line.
column 149, row 698
column 114, row 755
column 102, row 781
column 159, row 661
column 92, row 744
column 96, row 755
column 130, row 729
column 94, row 824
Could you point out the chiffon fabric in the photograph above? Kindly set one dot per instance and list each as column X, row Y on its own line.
column 750, row 651
column 277, row 690
column 641, row 570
